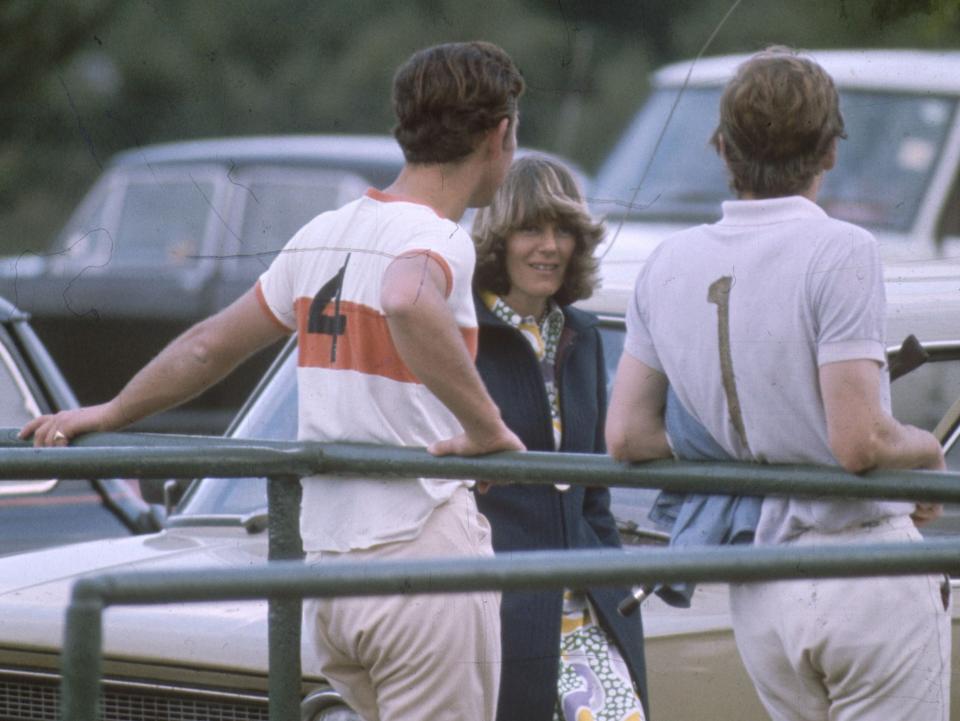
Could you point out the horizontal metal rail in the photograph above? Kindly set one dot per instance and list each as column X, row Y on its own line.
column 144, row 456
column 530, row 570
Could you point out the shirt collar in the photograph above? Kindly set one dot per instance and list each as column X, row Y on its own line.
column 382, row 197
column 499, row 307
column 769, row 210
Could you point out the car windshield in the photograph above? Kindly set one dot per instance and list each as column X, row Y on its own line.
column 272, row 417
column 883, row 168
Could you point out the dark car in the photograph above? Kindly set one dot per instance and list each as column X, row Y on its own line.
column 38, row 514
column 172, row 233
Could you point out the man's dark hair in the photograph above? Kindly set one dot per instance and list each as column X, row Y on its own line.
column 779, row 116
column 446, row 96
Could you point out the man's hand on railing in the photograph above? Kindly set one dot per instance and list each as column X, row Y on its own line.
column 59, row 428
column 476, row 444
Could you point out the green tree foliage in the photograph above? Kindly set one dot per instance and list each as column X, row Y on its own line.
column 82, row 79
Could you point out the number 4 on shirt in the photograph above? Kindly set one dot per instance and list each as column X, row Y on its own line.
column 335, row 325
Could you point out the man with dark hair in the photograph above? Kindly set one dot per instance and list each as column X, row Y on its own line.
column 380, row 295
column 769, row 327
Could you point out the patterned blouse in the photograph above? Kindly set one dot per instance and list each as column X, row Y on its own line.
column 544, row 338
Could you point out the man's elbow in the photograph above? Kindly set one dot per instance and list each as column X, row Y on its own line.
column 618, row 448
column 617, row 441
column 858, row 454
column 203, row 346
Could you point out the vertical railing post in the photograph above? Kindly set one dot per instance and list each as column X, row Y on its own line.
column 283, row 497
column 81, row 664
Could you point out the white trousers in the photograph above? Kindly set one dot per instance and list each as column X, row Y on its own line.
column 414, row 657
column 864, row 649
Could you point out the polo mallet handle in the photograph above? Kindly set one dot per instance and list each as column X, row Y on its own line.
column 632, row 602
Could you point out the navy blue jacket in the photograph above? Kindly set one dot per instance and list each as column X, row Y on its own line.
column 532, row 517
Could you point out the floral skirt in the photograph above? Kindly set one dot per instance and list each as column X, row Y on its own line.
column 594, row 683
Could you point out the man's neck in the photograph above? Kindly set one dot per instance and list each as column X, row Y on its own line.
column 446, row 188
column 810, row 193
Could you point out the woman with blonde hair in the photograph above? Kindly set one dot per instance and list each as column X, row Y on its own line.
column 567, row 655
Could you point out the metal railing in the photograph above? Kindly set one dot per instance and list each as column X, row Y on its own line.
column 285, row 581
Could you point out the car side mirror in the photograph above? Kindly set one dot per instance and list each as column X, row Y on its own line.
column 167, row 493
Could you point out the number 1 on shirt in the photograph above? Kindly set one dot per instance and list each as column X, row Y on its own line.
column 719, row 294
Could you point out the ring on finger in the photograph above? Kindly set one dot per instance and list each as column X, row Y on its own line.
column 59, row 436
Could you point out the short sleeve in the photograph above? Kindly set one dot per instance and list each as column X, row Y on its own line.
column 849, row 302
column 450, row 246
column 275, row 287
column 639, row 340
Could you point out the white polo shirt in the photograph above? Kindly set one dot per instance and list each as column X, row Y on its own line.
column 352, row 384
column 741, row 314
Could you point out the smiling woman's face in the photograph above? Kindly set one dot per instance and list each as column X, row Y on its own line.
column 536, row 260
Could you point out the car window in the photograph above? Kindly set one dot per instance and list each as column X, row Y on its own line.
column 17, row 404
column 684, row 178
column 162, row 222
column 272, row 416
column 924, row 395
column 143, row 218
column 278, row 204
column 883, row 168
column 612, row 335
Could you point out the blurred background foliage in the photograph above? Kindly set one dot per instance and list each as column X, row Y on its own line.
column 82, row 79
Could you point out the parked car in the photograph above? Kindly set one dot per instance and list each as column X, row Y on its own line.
column 211, row 658
column 897, row 172
column 168, row 235
column 37, row 514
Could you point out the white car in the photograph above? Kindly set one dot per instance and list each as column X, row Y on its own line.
column 897, row 172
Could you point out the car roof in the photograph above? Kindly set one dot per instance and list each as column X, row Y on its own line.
column 903, row 70
column 359, row 150
column 377, row 154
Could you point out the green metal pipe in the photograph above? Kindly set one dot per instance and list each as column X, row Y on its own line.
column 80, row 664
column 283, row 616
column 219, row 457
column 532, row 570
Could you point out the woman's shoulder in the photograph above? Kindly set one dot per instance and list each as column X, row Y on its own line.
column 578, row 319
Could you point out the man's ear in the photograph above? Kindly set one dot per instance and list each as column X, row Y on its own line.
column 830, row 157
column 499, row 137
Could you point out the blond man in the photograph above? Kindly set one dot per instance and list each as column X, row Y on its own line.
column 769, row 325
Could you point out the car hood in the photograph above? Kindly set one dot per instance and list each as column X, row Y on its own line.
column 35, row 590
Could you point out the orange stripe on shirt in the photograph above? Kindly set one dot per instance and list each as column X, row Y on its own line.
column 365, row 346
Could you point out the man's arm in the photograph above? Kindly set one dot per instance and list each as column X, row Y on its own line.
column 423, row 329
column 189, row 365
column 635, row 428
column 863, row 436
